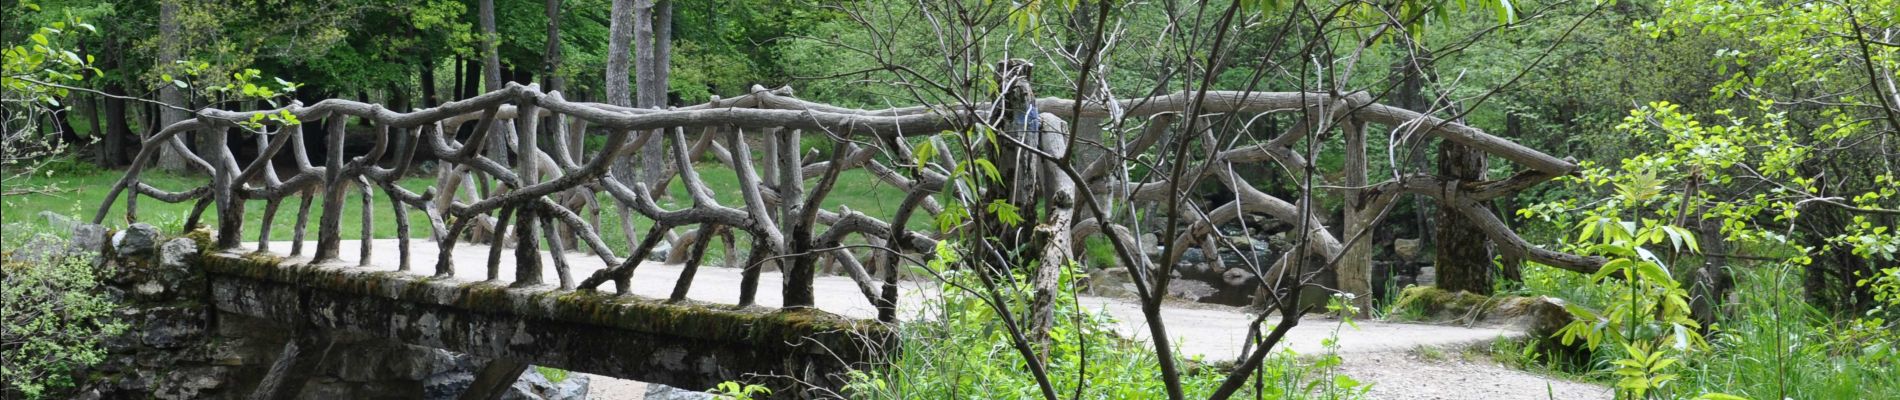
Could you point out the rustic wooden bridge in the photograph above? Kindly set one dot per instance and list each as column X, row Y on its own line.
column 521, row 178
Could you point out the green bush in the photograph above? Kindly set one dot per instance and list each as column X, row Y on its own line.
column 53, row 320
column 961, row 349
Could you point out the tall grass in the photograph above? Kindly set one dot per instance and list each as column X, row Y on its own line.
column 1769, row 344
column 1775, row 345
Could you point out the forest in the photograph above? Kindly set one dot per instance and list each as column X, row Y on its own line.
column 1616, row 199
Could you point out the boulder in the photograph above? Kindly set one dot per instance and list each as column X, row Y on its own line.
column 39, row 249
column 1191, row 290
column 177, row 253
column 534, row 385
column 1541, row 316
column 1237, row 277
column 59, row 222
column 87, row 238
column 657, row 391
column 1111, row 282
column 1407, row 249
column 660, row 251
column 136, row 241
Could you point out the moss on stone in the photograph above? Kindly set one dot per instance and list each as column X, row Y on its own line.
column 1434, row 304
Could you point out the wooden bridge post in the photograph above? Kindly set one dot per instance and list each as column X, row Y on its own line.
column 330, row 226
column 1355, row 267
column 527, row 245
column 800, row 273
column 224, row 172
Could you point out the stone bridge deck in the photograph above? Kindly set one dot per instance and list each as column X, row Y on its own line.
column 691, row 344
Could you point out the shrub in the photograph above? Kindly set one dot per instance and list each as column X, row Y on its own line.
column 54, row 318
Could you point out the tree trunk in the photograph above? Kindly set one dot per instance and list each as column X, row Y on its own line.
column 168, row 54
column 1464, row 263
column 1355, row 265
column 491, row 78
column 551, row 64
column 619, row 65
column 651, row 84
column 118, row 128
column 430, row 97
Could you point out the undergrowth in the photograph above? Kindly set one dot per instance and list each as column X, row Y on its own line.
column 959, row 348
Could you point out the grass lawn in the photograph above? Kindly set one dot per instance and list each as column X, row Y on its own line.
column 77, row 190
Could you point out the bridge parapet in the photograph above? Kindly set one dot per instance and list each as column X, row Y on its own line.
column 683, row 344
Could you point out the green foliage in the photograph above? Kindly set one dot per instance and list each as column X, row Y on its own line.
column 54, row 317
column 731, row 390
column 34, row 76
column 555, row 375
column 959, row 348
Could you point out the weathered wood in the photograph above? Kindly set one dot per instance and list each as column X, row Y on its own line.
column 1355, row 264
column 779, row 214
column 366, row 230
column 330, row 223
column 527, row 245
column 697, row 256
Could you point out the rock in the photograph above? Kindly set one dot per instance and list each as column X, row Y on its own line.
column 534, row 385
column 136, row 240
column 575, row 387
column 1407, row 249
column 39, row 249
column 1111, row 282
column 1237, row 277
column 1150, row 245
column 1191, row 290
column 87, row 238
column 1239, row 242
column 1541, row 316
column 191, row 383
column 660, row 252
column 1193, row 256
column 1434, row 304
column 177, row 254
column 172, row 327
column 1427, row 276
column 447, row 386
column 59, row 222
column 1262, row 255
column 657, row 391
column 1278, row 242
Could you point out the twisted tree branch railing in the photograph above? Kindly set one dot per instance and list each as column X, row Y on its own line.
column 541, row 190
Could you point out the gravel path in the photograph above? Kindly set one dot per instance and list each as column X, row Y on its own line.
column 1375, row 351
column 1411, row 376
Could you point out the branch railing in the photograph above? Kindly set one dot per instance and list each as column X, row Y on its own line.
column 549, row 190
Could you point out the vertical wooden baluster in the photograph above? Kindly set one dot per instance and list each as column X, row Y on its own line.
column 402, row 226
column 704, row 240
column 444, row 263
column 329, row 239
column 132, row 201
column 368, row 234
column 223, row 189
column 263, row 232
column 303, row 221
column 302, row 156
column 499, row 241
column 197, row 211
column 528, row 167
column 558, row 249
column 270, row 177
